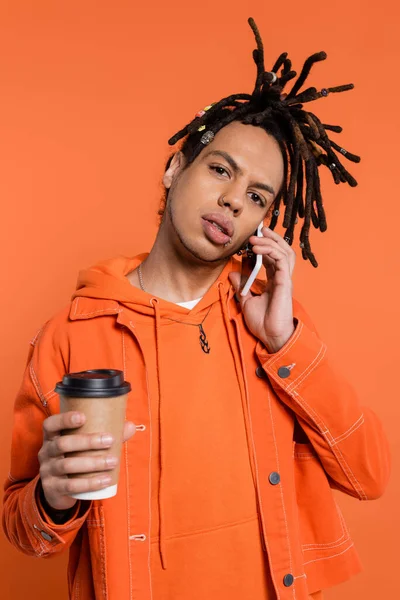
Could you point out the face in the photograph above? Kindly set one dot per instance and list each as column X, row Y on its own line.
column 217, row 202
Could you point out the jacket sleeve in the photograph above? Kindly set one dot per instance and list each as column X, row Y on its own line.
column 24, row 520
column 348, row 437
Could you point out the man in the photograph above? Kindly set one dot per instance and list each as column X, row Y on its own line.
column 242, row 426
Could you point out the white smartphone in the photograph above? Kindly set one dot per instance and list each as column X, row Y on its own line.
column 251, row 266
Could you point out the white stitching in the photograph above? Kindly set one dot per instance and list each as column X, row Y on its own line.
column 327, row 546
column 347, row 430
column 99, row 312
column 255, row 458
column 256, row 466
column 95, row 312
column 123, row 351
column 104, row 553
column 128, row 511
column 36, row 385
column 310, row 412
column 345, row 467
column 103, row 311
column 339, row 542
column 45, row 546
column 76, row 305
column 128, row 518
column 329, row 557
column 350, row 433
column 149, row 465
column 303, row 403
column 149, row 477
column 41, row 541
column 35, row 338
column 306, row 373
column 28, row 527
column 309, row 369
column 280, row 485
column 360, row 421
column 93, row 522
column 55, row 537
column 360, row 490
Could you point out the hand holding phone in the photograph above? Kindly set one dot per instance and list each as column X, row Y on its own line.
column 251, row 265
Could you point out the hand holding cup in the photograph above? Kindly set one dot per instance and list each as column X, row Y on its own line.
column 57, row 466
column 80, row 456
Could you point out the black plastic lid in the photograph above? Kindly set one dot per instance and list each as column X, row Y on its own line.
column 96, row 383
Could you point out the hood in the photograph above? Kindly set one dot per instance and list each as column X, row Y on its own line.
column 107, row 281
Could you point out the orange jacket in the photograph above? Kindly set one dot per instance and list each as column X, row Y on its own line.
column 305, row 428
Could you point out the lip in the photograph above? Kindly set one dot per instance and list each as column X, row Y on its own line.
column 223, row 222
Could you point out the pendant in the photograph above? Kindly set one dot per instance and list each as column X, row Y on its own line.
column 203, row 341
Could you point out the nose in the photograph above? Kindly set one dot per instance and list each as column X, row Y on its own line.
column 232, row 200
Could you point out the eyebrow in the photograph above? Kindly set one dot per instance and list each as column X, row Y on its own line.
column 238, row 171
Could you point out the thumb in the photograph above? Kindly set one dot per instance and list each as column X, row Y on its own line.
column 236, row 280
column 129, row 430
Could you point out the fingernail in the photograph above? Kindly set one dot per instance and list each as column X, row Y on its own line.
column 111, row 461
column 106, row 440
column 77, row 419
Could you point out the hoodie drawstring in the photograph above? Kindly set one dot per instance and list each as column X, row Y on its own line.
column 161, row 516
column 241, row 380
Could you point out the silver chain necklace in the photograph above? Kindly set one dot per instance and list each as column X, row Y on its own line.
column 141, row 278
column 203, row 336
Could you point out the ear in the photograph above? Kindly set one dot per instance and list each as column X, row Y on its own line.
column 174, row 168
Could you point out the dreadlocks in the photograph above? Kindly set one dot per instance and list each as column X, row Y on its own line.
column 302, row 138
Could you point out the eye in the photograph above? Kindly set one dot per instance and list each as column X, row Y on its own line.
column 257, row 199
column 218, row 169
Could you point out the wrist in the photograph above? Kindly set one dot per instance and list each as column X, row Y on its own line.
column 58, row 516
column 274, row 344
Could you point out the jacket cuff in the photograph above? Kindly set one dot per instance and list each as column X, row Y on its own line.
column 286, row 367
column 45, row 535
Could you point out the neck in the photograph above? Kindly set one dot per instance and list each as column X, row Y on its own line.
column 172, row 273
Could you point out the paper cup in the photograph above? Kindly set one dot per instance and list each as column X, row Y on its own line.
column 101, row 395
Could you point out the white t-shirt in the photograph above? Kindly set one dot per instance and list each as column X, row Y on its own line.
column 190, row 304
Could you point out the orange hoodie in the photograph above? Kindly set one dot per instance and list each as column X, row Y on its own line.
column 225, row 488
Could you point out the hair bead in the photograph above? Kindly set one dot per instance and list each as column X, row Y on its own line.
column 207, row 137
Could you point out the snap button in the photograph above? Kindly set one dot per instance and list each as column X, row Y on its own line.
column 288, row 580
column 283, row 372
column 260, row 372
column 46, row 536
column 274, row 478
